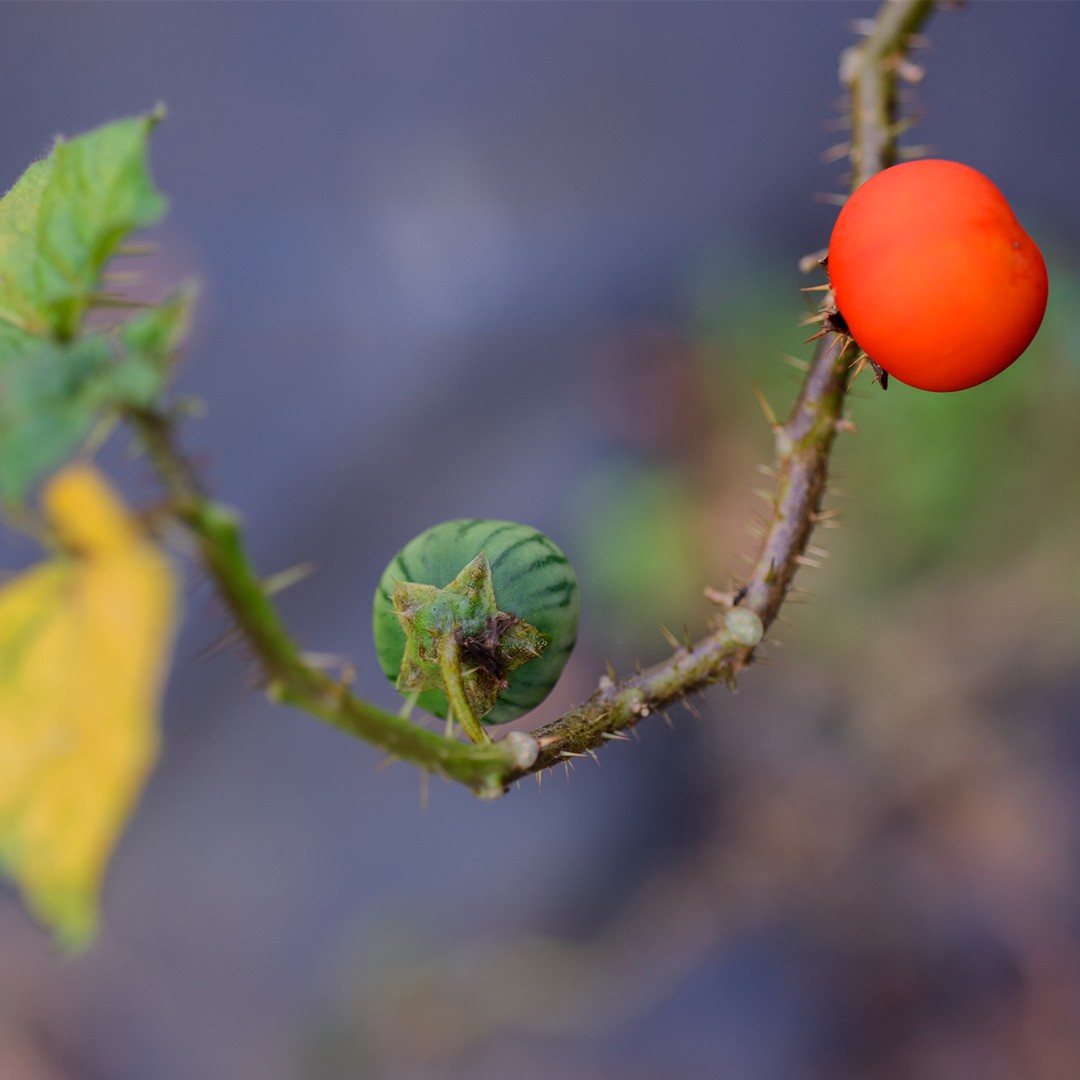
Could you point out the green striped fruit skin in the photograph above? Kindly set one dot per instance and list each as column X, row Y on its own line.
column 533, row 580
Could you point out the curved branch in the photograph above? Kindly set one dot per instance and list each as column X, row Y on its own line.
column 869, row 71
column 290, row 678
column 804, row 443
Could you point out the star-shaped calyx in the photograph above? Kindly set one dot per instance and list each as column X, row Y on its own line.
column 456, row 638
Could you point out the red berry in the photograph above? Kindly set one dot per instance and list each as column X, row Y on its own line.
column 934, row 276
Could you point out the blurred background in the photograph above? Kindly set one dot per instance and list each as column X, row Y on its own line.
column 526, row 261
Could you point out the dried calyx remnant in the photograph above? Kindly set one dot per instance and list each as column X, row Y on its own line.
column 458, row 641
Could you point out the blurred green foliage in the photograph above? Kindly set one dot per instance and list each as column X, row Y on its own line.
column 640, row 559
column 60, row 224
column 933, row 486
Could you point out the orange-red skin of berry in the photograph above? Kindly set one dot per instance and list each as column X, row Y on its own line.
column 936, row 279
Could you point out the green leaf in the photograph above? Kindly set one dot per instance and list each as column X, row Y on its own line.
column 19, row 215
column 155, row 334
column 99, row 191
column 59, row 225
column 51, row 394
column 64, row 219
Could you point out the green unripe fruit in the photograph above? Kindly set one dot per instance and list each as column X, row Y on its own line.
column 497, row 599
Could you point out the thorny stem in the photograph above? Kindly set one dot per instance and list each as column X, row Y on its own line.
column 803, row 443
column 290, row 678
column 869, row 71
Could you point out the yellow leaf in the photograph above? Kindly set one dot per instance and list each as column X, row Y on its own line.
column 84, row 643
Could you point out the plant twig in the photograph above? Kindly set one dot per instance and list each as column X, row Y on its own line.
column 290, row 679
column 870, row 71
column 804, row 443
column 803, row 446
